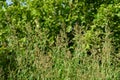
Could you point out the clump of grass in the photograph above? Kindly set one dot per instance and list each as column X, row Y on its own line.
column 37, row 59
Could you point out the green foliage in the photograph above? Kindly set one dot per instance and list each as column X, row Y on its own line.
column 60, row 39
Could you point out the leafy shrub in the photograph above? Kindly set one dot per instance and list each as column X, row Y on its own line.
column 63, row 39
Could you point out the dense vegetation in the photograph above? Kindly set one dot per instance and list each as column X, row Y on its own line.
column 60, row 40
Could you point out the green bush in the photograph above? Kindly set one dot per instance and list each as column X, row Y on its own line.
column 60, row 40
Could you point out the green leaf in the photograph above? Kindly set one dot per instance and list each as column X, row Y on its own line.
column 69, row 28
